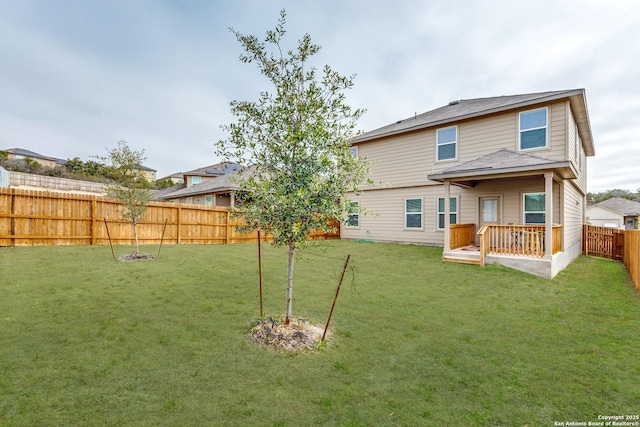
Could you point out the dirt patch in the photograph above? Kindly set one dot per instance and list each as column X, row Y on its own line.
column 299, row 335
column 135, row 257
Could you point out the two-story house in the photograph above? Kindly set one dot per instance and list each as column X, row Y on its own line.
column 212, row 185
column 493, row 180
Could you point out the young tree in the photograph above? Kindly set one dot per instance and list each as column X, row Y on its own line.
column 296, row 144
column 130, row 187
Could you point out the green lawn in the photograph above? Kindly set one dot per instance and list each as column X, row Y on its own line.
column 86, row 340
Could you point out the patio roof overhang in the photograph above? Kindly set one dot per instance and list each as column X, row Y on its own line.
column 504, row 164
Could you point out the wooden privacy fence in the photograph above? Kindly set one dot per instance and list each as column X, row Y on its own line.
column 37, row 218
column 615, row 244
column 603, row 242
column 631, row 256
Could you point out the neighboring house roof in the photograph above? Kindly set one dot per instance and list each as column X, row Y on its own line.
column 146, row 168
column 620, row 205
column 215, row 170
column 33, row 155
column 221, row 183
column 505, row 161
column 465, row 109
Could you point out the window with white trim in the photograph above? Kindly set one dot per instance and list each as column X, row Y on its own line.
column 534, row 207
column 196, row 180
column 413, row 213
column 208, row 199
column 447, row 142
column 533, row 129
column 354, row 151
column 353, row 217
column 453, row 211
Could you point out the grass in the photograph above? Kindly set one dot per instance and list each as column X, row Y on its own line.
column 86, row 340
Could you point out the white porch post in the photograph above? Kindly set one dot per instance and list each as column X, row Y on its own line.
column 233, row 199
column 548, row 207
column 447, row 216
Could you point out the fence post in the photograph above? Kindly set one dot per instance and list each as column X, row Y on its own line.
column 12, row 221
column 94, row 236
column 228, row 237
column 179, row 223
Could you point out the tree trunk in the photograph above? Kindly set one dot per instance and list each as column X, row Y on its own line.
column 135, row 236
column 292, row 252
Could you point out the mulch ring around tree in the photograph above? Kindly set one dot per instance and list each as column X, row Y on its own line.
column 299, row 335
column 135, row 257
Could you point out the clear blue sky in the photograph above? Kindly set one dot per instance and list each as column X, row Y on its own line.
column 77, row 76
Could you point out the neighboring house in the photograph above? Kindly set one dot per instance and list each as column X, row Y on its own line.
column 177, row 177
column 212, row 185
column 149, row 173
column 21, row 154
column 621, row 212
column 512, row 168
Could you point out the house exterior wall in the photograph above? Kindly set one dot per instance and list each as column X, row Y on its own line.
column 384, row 219
column 399, row 166
column 598, row 216
column 223, row 200
column 573, row 214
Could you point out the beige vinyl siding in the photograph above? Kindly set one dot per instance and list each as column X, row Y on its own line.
column 383, row 218
column 487, row 135
column 400, row 161
column 511, row 193
column 578, row 157
column 406, row 160
column 573, row 214
column 557, row 127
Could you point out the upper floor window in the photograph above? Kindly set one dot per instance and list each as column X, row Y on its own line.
column 533, row 129
column 354, row 151
column 196, row 180
column 447, row 141
column 534, row 208
column 413, row 213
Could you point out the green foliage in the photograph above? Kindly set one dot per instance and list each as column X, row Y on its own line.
column 609, row 194
column 130, row 186
column 296, row 142
column 163, row 183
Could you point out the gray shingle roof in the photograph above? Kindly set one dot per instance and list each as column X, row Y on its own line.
column 214, row 170
column 469, row 108
column 504, row 161
column 620, row 205
column 221, row 183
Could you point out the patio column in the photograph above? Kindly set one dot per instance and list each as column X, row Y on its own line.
column 233, row 199
column 447, row 216
column 548, row 207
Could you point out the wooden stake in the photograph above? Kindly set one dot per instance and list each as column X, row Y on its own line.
column 109, row 236
column 260, row 271
column 162, row 237
column 346, row 263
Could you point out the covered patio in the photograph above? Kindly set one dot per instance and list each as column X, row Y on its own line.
column 500, row 226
